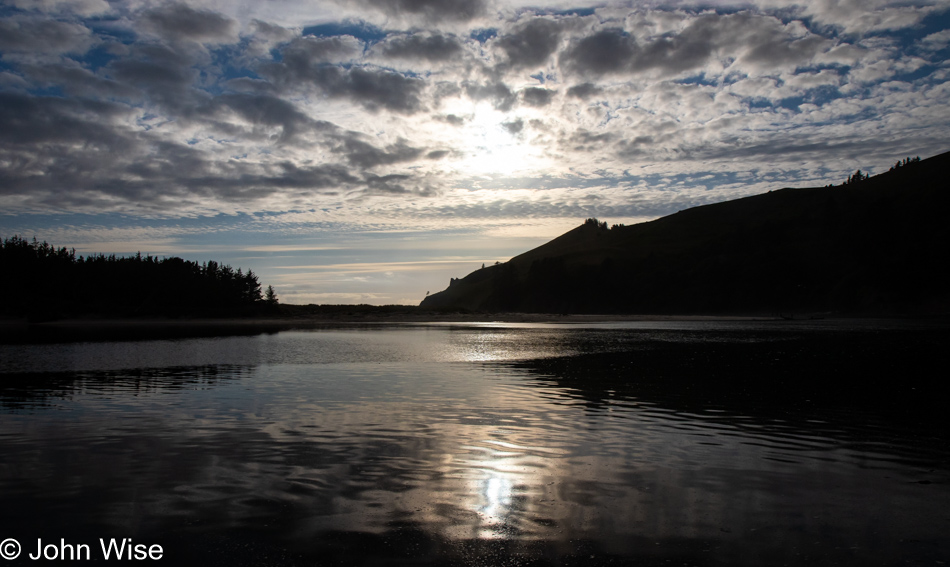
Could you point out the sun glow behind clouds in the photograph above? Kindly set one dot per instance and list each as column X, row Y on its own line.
column 495, row 144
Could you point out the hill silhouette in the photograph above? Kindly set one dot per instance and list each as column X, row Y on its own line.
column 874, row 245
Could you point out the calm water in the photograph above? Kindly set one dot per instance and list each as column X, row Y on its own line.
column 667, row 444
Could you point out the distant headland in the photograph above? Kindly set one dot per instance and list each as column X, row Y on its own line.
column 871, row 246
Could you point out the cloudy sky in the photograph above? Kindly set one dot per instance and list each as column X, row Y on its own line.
column 364, row 151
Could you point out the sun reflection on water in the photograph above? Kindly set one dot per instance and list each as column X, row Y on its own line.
column 496, row 494
column 496, row 344
column 504, row 486
column 488, row 346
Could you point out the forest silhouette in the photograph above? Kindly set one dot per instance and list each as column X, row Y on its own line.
column 42, row 282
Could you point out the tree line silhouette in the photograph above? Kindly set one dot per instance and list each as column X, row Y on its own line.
column 43, row 282
column 858, row 176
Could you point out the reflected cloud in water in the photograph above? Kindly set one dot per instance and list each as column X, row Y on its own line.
column 637, row 447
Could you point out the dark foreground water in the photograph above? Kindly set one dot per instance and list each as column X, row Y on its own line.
column 641, row 444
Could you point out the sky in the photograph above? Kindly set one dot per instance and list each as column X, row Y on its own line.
column 365, row 151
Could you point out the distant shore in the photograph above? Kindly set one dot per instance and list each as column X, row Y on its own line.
column 14, row 331
column 332, row 319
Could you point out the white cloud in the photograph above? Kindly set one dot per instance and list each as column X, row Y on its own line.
column 936, row 41
column 860, row 16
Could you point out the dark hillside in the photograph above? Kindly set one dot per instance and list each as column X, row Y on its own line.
column 875, row 245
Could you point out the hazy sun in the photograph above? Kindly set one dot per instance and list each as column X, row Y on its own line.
column 495, row 144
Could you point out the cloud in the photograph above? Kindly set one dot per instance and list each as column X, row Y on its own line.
column 13, row 82
column 534, row 96
column 532, row 43
column 775, row 51
column 604, row 52
column 432, row 11
column 74, row 79
column 261, row 37
column 62, row 153
column 388, row 184
column 753, row 41
column 59, row 145
column 584, row 91
column 452, row 119
column 266, row 31
column 501, row 97
column 155, row 64
column 858, row 16
column 78, row 7
column 807, row 80
column 35, row 36
column 584, row 140
column 367, row 156
column 375, row 89
column 514, row 126
column 305, row 64
column 884, row 68
column 304, row 52
column 426, row 47
column 288, row 175
column 270, row 111
column 936, row 41
column 177, row 22
column 28, row 120
column 164, row 75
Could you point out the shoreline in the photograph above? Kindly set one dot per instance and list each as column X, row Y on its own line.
column 8, row 326
column 378, row 318
column 22, row 331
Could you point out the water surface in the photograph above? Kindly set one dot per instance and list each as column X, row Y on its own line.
column 686, row 443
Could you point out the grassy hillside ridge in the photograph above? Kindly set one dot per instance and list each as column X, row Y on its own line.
column 870, row 246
